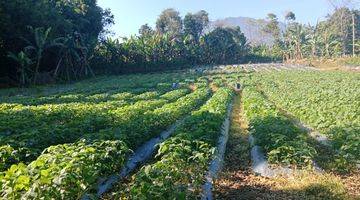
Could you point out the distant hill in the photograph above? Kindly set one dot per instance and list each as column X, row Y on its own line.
column 252, row 28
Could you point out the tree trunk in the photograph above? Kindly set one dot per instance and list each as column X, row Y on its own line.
column 313, row 50
column 57, row 67
column 37, row 68
column 353, row 34
column 22, row 75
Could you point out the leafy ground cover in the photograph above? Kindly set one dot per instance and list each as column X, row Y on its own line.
column 101, row 84
column 32, row 121
column 30, row 129
column 237, row 181
column 57, row 142
column 69, row 170
column 63, row 171
column 283, row 142
column 327, row 101
column 179, row 168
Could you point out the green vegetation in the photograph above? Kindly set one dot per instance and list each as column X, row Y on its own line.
column 283, row 142
column 54, row 38
column 52, row 41
column 354, row 61
column 63, row 171
column 110, row 131
column 305, row 184
column 327, row 101
column 101, row 121
column 179, row 168
column 336, row 36
column 59, row 141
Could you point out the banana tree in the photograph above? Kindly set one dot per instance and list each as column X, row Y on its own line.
column 24, row 66
column 74, row 58
column 329, row 40
column 313, row 39
column 68, row 55
column 40, row 43
column 297, row 39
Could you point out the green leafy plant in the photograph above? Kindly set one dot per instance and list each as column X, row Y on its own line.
column 327, row 101
column 24, row 66
column 283, row 142
column 179, row 168
column 8, row 156
column 63, row 171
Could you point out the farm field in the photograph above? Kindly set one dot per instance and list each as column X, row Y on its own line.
column 66, row 141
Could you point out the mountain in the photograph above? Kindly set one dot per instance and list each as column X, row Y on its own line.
column 252, row 28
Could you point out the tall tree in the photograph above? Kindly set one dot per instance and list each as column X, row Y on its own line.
column 194, row 24
column 289, row 21
column 64, row 17
column 313, row 39
column 272, row 26
column 328, row 40
column 225, row 45
column 24, row 69
column 290, row 16
column 297, row 39
column 146, row 30
column 170, row 22
column 356, row 17
column 341, row 20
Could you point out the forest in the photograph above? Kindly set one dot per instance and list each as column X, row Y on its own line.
column 62, row 41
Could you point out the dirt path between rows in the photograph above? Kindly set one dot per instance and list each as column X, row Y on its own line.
column 326, row 154
column 237, row 181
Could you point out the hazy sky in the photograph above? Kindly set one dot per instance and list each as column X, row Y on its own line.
column 131, row 14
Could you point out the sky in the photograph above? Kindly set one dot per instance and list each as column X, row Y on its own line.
column 131, row 14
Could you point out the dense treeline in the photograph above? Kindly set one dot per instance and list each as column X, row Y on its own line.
column 175, row 42
column 336, row 36
column 47, row 39
column 60, row 40
column 51, row 40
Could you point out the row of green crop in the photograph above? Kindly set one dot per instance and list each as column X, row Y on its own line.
column 283, row 142
column 229, row 80
column 327, row 101
column 112, row 84
column 101, row 90
column 114, row 95
column 30, row 129
column 68, row 171
column 179, row 168
column 134, row 127
column 111, row 95
column 16, row 117
column 63, row 171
